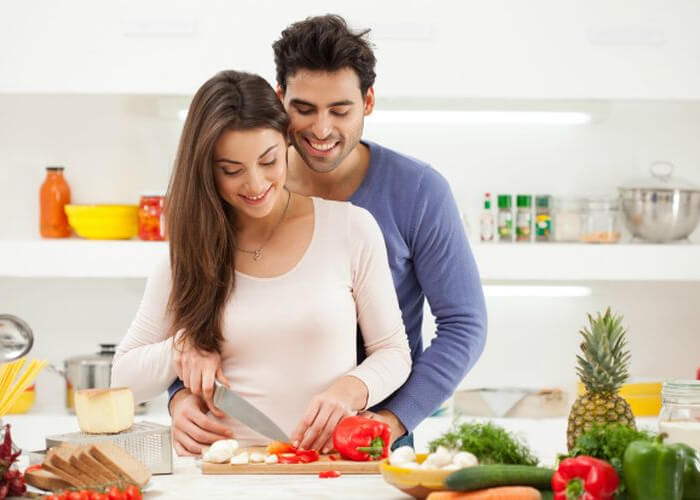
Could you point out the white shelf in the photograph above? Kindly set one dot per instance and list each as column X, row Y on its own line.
column 76, row 258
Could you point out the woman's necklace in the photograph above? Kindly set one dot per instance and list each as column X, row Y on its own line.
column 257, row 253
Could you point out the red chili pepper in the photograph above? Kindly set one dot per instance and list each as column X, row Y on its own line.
column 584, row 478
column 362, row 439
column 307, row 456
column 326, row 474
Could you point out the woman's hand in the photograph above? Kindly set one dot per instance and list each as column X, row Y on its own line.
column 315, row 431
column 198, row 369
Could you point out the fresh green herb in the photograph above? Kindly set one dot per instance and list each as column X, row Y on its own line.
column 490, row 443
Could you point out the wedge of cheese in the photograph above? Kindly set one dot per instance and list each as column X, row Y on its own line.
column 104, row 411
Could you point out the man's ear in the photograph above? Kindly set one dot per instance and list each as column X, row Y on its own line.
column 369, row 101
column 278, row 91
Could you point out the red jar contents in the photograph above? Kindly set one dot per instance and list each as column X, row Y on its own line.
column 151, row 217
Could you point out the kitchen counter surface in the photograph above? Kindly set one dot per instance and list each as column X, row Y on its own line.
column 546, row 437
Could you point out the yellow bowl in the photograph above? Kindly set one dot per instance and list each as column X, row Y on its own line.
column 644, row 398
column 24, row 402
column 104, row 222
column 418, row 483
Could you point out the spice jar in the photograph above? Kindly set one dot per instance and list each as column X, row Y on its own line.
column 523, row 221
column 601, row 221
column 567, row 219
column 680, row 412
column 505, row 218
column 152, row 217
column 54, row 195
column 543, row 218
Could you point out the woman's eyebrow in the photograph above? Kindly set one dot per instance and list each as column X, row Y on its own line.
column 227, row 160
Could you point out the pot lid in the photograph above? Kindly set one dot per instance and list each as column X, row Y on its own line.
column 103, row 357
column 661, row 178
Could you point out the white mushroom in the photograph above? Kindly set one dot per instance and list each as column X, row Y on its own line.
column 271, row 459
column 402, row 455
column 240, row 459
column 451, row 467
column 439, row 458
column 220, row 451
column 257, row 457
column 465, row 459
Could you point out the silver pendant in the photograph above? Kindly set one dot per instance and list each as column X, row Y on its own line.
column 257, row 254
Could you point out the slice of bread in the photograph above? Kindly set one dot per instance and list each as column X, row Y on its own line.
column 84, row 456
column 58, row 460
column 87, row 468
column 120, row 462
column 46, row 480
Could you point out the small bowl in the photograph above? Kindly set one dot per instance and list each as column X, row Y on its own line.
column 103, row 222
column 418, row 483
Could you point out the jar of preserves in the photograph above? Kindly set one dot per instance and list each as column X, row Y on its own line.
column 567, row 219
column 601, row 220
column 152, row 217
column 54, row 195
column 680, row 412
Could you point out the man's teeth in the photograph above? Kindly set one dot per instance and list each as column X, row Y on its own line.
column 322, row 146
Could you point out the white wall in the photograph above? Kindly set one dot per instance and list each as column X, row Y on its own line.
column 113, row 147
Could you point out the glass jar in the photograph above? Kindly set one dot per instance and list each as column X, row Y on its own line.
column 567, row 219
column 601, row 220
column 54, row 195
column 543, row 218
column 523, row 219
column 505, row 218
column 680, row 412
column 152, row 217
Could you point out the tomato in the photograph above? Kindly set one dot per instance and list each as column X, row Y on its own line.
column 100, row 496
column 74, row 495
column 32, row 467
column 132, row 493
column 288, row 458
column 307, row 456
column 115, row 493
column 52, row 497
column 326, row 474
column 277, row 447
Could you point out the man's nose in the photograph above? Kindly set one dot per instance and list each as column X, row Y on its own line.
column 322, row 126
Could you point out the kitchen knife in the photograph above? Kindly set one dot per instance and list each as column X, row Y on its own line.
column 240, row 409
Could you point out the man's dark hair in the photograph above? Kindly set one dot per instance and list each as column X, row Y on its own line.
column 324, row 43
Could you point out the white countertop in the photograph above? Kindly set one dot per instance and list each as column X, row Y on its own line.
column 546, row 438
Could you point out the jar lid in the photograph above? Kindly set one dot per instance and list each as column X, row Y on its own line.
column 543, row 200
column 54, row 168
column 681, row 391
column 504, row 200
column 524, row 200
column 661, row 179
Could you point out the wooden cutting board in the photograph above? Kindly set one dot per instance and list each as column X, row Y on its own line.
column 323, row 463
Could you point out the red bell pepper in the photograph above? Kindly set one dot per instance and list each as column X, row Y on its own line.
column 307, row 456
column 584, row 478
column 362, row 439
column 288, row 458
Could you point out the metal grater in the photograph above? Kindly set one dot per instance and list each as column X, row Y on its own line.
column 148, row 442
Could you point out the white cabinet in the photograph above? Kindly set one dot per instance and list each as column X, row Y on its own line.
column 563, row 49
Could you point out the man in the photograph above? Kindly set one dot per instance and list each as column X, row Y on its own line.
column 325, row 77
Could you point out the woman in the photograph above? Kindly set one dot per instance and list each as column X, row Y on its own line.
column 274, row 281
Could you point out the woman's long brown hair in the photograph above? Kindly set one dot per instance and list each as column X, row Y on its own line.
column 201, row 225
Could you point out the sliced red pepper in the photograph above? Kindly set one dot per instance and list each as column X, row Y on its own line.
column 307, row 456
column 288, row 458
column 326, row 474
column 334, row 457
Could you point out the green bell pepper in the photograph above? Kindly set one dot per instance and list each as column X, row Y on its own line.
column 691, row 471
column 653, row 471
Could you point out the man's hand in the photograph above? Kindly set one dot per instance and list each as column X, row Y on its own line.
column 325, row 410
column 198, row 370
column 192, row 428
column 397, row 428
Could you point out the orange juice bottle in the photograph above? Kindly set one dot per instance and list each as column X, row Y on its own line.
column 53, row 196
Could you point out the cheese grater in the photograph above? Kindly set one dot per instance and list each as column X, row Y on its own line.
column 148, row 442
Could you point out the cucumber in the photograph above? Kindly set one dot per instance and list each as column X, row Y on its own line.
column 488, row 476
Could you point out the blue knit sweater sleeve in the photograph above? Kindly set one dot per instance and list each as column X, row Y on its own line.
column 446, row 271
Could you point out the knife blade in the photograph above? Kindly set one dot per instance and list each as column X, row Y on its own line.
column 240, row 409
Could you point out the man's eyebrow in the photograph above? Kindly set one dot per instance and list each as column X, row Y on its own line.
column 302, row 102
column 226, row 160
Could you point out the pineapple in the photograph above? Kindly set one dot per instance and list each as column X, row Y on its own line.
column 602, row 367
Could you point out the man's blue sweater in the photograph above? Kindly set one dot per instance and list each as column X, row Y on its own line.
column 430, row 259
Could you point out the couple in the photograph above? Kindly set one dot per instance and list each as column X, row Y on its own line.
column 307, row 306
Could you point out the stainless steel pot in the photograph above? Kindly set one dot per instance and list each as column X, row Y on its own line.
column 90, row 371
column 661, row 208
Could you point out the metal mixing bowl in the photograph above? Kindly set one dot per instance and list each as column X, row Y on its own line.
column 661, row 210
